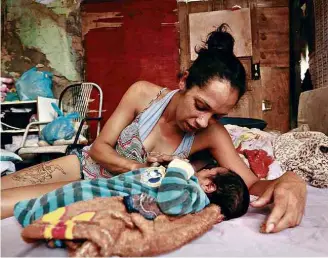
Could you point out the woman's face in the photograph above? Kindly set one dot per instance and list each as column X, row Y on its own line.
column 199, row 106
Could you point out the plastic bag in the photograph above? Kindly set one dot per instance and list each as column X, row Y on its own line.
column 60, row 128
column 34, row 83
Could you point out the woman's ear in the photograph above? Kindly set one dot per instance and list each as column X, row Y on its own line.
column 182, row 82
column 209, row 187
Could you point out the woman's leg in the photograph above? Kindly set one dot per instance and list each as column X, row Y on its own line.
column 10, row 197
column 58, row 170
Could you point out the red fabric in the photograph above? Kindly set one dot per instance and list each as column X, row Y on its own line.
column 259, row 161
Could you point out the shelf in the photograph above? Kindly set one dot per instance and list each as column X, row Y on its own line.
column 19, row 131
column 18, row 102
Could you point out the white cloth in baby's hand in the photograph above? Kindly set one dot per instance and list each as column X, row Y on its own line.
column 182, row 164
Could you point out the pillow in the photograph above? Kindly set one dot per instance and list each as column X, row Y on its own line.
column 313, row 109
column 306, row 154
column 9, row 156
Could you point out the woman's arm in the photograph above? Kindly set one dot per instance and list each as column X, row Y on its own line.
column 218, row 141
column 288, row 193
column 102, row 151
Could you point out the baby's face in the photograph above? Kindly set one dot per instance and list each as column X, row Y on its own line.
column 205, row 178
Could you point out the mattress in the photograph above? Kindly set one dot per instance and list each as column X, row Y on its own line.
column 237, row 237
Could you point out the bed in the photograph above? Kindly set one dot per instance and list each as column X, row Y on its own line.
column 238, row 237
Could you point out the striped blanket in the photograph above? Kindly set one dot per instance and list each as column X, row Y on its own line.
column 175, row 189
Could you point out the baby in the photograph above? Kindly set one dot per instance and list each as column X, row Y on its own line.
column 221, row 186
column 176, row 190
column 226, row 189
column 211, row 184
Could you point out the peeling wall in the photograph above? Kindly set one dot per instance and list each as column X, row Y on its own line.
column 92, row 21
column 43, row 33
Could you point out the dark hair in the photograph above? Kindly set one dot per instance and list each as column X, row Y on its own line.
column 231, row 195
column 217, row 60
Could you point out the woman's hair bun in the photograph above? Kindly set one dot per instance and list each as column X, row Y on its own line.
column 217, row 60
column 221, row 40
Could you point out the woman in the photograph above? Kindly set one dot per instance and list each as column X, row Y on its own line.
column 177, row 123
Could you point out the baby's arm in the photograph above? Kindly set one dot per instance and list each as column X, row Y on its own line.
column 180, row 192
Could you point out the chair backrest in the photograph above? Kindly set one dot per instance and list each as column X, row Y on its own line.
column 77, row 98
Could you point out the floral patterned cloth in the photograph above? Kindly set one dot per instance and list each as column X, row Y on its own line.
column 305, row 153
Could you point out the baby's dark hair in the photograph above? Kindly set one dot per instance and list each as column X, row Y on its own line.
column 231, row 195
column 217, row 60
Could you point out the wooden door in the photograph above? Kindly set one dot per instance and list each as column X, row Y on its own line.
column 270, row 48
column 127, row 41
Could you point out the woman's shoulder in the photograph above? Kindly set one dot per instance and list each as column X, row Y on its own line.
column 145, row 88
column 144, row 92
column 205, row 138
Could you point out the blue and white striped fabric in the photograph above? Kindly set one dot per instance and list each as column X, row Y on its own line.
column 176, row 192
column 179, row 195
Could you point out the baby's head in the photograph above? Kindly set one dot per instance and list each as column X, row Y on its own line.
column 226, row 189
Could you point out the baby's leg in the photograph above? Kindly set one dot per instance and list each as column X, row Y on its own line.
column 59, row 170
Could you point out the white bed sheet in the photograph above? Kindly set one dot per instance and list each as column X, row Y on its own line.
column 238, row 237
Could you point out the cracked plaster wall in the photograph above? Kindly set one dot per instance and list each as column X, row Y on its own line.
column 43, row 33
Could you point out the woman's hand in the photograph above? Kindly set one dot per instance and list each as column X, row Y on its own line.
column 156, row 158
column 289, row 197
